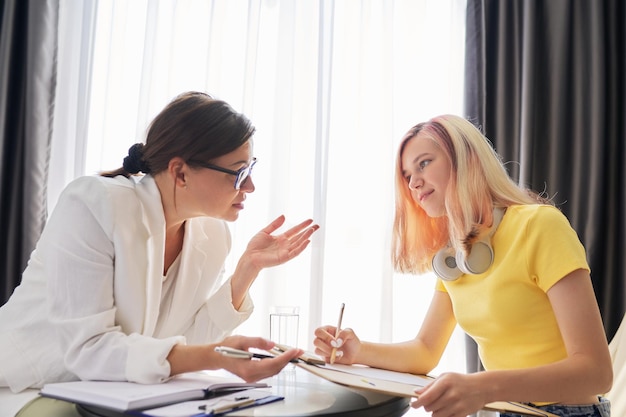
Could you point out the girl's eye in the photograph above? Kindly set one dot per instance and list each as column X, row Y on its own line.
column 423, row 163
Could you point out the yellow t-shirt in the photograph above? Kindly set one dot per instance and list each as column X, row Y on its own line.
column 506, row 309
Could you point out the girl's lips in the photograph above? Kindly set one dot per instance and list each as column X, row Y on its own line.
column 424, row 196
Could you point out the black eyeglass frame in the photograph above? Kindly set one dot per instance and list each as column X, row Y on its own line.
column 240, row 175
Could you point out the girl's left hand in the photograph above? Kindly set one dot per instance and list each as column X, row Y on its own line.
column 266, row 250
column 451, row 394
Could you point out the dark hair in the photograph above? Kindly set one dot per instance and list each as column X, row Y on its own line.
column 194, row 126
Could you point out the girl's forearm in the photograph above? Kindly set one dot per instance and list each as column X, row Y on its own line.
column 408, row 356
column 570, row 381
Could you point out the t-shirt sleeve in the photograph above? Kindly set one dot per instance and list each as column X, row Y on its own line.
column 439, row 285
column 553, row 249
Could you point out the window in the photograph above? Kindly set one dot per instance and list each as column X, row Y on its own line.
column 331, row 87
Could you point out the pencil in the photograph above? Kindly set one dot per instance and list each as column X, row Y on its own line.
column 333, row 353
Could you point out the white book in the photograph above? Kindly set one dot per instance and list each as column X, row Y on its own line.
column 122, row 396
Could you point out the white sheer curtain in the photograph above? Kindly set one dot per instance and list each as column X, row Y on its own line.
column 331, row 87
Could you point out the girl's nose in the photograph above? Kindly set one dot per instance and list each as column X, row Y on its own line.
column 415, row 182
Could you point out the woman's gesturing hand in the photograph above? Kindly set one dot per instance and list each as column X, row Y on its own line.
column 266, row 250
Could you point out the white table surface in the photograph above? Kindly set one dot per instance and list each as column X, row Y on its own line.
column 11, row 403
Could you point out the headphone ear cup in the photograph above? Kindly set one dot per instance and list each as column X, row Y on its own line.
column 478, row 261
column 445, row 265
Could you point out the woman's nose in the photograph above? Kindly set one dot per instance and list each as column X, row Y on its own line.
column 247, row 185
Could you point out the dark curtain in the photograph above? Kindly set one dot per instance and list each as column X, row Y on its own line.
column 546, row 82
column 28, row 48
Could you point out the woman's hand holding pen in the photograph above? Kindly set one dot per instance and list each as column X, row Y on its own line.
column 347, row 344
column 190, row 358
column 251, row 370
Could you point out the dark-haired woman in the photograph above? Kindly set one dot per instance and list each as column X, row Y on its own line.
column 125, row 283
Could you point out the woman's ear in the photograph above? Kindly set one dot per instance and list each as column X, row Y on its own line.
column 177, row 170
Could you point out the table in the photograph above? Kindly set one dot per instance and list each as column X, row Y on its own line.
column 308, row 395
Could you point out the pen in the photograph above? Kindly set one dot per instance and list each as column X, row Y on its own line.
column 242, row 354
column 231, row 406
column 305, row 357
column 203, row 406
column 333, row 353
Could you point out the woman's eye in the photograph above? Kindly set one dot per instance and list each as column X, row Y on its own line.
column 423, row 163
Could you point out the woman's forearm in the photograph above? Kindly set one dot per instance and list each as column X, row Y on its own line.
column 242, row 279
column 191, row 358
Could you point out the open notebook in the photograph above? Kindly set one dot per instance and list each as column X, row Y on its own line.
column 123, row 396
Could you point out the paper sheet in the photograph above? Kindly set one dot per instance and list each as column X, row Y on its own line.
column 367, row 372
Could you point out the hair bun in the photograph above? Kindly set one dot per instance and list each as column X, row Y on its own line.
column 134, row 162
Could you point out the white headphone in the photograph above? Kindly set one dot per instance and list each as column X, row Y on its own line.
column 449, row 264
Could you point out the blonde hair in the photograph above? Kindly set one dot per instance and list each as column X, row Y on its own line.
column 478, row 183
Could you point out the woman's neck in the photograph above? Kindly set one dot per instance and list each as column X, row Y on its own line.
column 174, row 237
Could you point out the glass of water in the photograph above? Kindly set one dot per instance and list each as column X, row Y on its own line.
column 284, row 323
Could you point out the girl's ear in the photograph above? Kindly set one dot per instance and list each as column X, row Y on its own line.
column 177, row 169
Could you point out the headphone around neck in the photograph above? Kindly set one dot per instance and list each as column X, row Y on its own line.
column 449, row 264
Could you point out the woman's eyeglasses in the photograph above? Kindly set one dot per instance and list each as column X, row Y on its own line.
column 241, row 174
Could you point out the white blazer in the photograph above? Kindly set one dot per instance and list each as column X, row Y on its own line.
column 88, row 306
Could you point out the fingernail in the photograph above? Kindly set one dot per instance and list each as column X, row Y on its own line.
column 334, row 343
column 339, row 354
column 339, row 342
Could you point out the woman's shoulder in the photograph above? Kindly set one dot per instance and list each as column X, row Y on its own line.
column 100, row 194
column 89, row 182
column 98, row 187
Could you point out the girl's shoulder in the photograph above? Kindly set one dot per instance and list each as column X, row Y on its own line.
column 541, row 216
column 541, row 212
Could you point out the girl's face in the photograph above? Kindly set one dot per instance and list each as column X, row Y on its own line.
column 212, row 193
column 427, row 172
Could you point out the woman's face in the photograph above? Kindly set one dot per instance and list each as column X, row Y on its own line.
column 212, row 193
column 427, row 172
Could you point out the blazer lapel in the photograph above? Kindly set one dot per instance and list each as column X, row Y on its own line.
column 189, row 292
column 154, row 220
